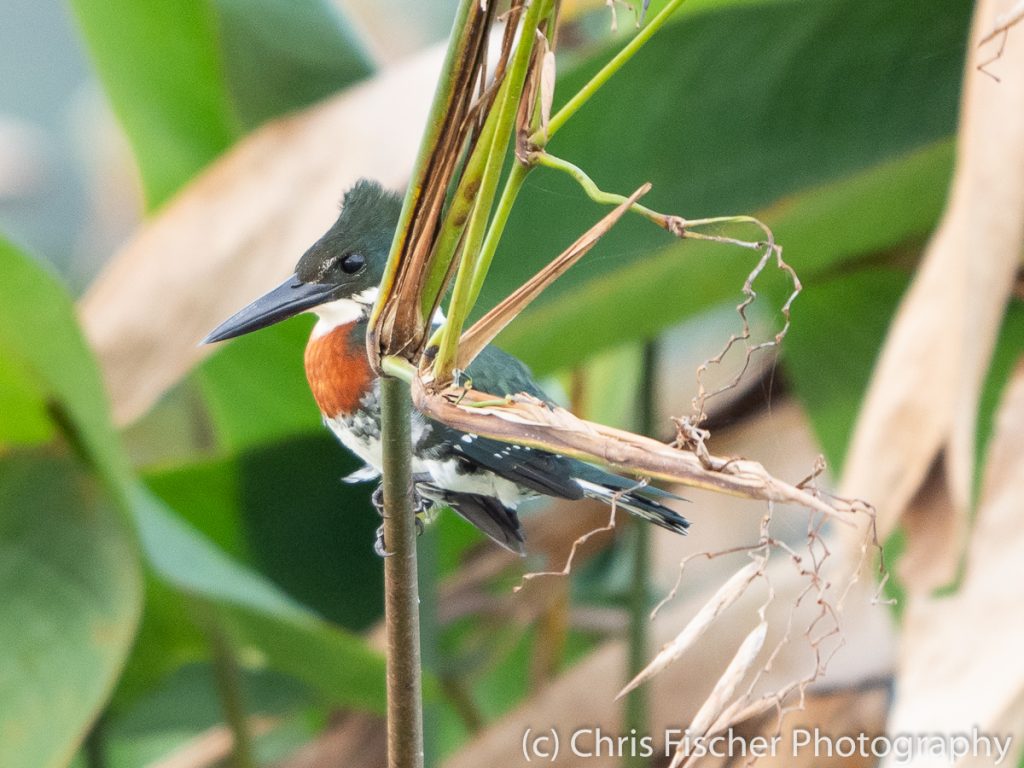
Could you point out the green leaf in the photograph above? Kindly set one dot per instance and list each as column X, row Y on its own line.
column 161, row 66
column 184, row 706
column 282, row 508
column 72, row 594
column 39, row 334
column 206, row 495
column 38, row 330
column 831, row 352
column 820, row 228
column 273, row 626
column 25, row 420
column 282, row 54
column 310, row 532
column 247, row 409
column 739, row 108
column 187, row 79
column 166, row 640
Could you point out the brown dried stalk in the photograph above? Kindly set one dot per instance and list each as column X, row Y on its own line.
column 399, row 323
column 528, row 421
column 490, row 325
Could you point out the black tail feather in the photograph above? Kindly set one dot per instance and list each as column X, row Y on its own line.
column 636, row 501
column 500, row 523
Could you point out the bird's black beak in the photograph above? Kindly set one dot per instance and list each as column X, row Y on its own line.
column 287, row 300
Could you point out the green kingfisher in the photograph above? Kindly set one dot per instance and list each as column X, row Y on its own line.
column 481, row 479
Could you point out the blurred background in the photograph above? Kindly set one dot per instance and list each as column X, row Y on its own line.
column 179, row 561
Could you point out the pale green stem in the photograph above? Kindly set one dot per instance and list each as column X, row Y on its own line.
column 513, row 185
column 544, row 134
column 593, row 191
column 508, row 198
column 399, row 368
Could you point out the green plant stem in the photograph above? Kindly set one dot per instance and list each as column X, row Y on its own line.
column 228, row 678
column 401, row 586
column 637, row 705
column 541, row 136
column 95, row 747
column 507, row 104
column 439, row 108
column 594, row 192
column 513, row 184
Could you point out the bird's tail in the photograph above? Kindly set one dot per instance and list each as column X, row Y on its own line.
column 635, row 499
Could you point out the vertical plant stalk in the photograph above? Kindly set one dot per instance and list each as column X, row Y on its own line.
column 228, row 678
column 94, row 749
column 401, row 586
column 637, row 704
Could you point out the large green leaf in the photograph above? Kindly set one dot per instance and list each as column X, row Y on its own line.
column 39, row 337
column 25, row 418
column 38, row 330
column 188, row 78
column 283, row 54
column 249, row 409
column 824, row 226
column 817, row 116
column 259, row 615
column 831, row 352
column 161, row 66
column 282, row 507
column 72, row 592
column 309, row 531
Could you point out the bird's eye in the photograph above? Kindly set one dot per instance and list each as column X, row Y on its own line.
column 352, row 263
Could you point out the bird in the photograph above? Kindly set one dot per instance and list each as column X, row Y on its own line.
column 481, row 479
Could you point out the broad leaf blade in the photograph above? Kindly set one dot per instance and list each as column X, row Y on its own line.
column 736, row 108
column 290, row 637
column 188, row 79
column 38, row 333
column 72, row 594
column 162, row 69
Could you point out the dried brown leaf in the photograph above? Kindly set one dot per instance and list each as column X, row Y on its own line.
column 961, row 663
column 740, row 664
column 924, row 392
column 727, row 594
column 528, row 421
column 490, row 325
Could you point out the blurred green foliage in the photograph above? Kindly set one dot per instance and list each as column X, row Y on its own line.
column 832, row 121
column 187, row 79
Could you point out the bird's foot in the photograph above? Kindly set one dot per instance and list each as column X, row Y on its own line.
column 377, row 499
column 421, row 508
column 379, row 547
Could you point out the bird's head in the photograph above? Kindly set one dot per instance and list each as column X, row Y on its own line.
column 338, row 277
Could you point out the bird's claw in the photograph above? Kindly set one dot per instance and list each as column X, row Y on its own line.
column 379, row 548
column 421, row 507
column 377, row 499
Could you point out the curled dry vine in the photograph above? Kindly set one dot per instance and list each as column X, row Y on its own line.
column 819, row 624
